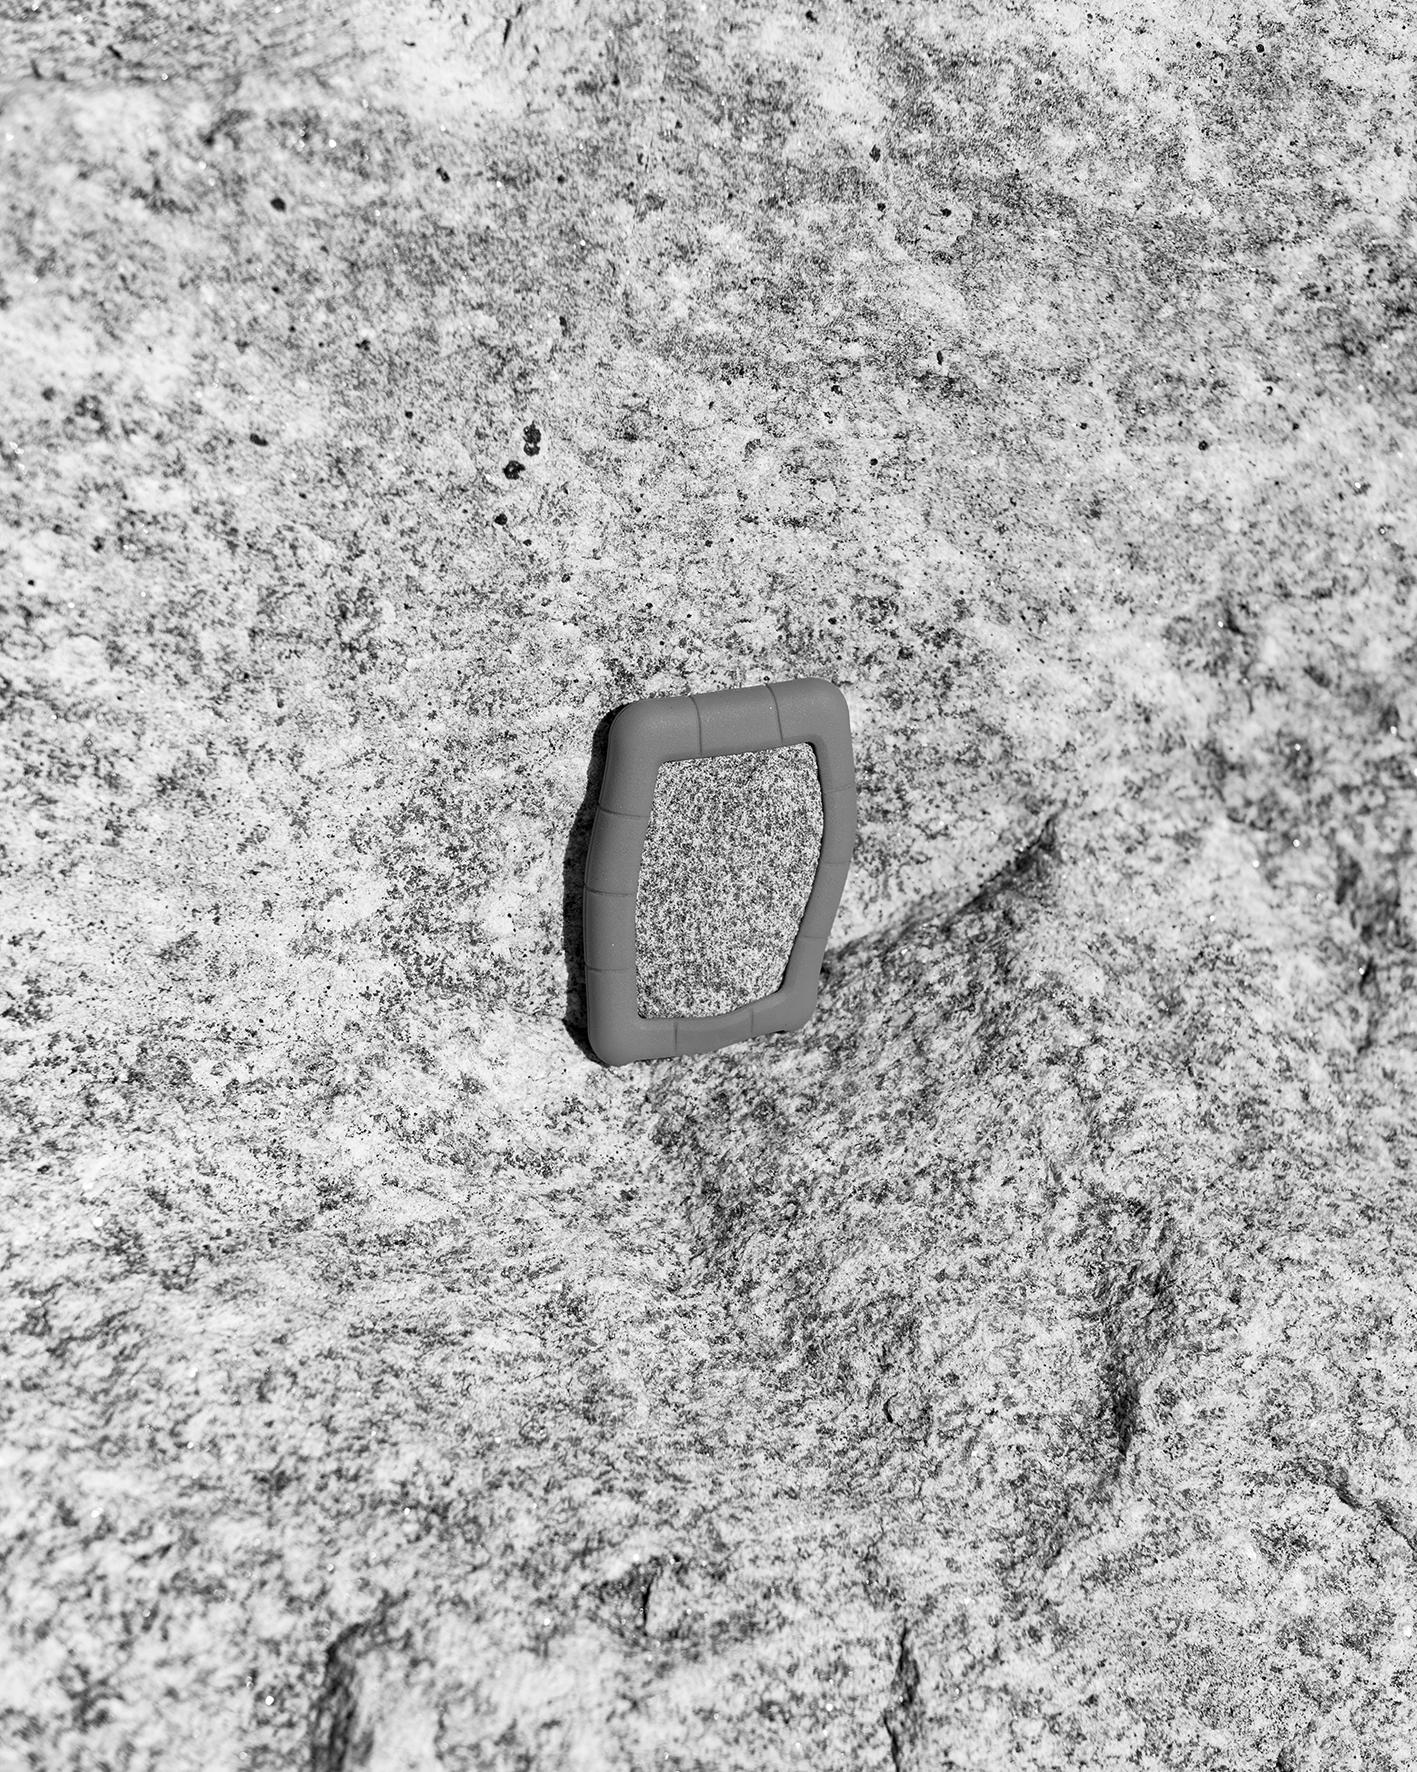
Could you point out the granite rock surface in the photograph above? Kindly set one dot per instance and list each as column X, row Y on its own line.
column 727, row 868
column 1014, row 1368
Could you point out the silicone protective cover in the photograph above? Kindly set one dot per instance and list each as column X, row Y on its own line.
column 669, row 729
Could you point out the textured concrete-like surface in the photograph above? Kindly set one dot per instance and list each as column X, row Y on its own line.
column 1013, row 1369
column 729, row 860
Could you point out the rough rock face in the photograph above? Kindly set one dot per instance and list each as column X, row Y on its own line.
column 729, row 860
column 1013, row 1369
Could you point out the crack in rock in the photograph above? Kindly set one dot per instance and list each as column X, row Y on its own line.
column 905, row 1714
column 1339, row 1479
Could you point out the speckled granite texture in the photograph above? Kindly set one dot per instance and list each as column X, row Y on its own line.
column 728, row 864
column 1015, row 1368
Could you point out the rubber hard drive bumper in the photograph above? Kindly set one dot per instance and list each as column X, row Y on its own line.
column 670, row 729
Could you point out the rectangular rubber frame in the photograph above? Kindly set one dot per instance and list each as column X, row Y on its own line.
column 672, row 729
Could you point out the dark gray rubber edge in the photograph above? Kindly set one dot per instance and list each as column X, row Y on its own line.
column 671, row 729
